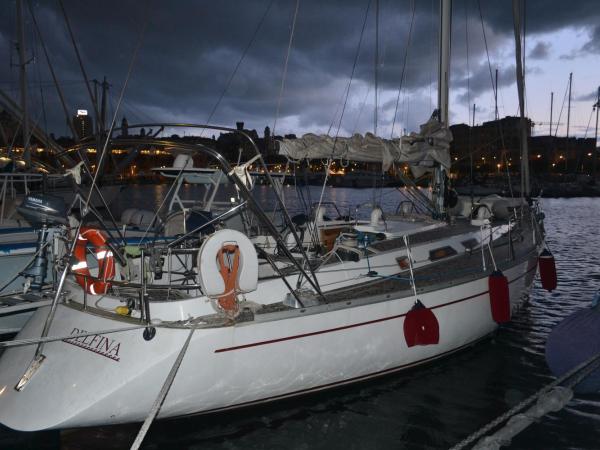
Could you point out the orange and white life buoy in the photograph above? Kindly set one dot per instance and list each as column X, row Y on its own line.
column 227, row 266
column 228, row 260
column 106, row 262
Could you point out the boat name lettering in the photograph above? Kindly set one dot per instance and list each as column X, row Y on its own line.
column 96, row 343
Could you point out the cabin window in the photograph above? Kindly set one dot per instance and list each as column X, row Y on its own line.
column 442, row 252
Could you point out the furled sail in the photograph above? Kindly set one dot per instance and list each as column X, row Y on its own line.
column 421, row 150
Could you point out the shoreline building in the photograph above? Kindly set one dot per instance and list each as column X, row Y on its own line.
column 495, row 146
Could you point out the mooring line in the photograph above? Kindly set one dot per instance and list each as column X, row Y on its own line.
column 162, row 394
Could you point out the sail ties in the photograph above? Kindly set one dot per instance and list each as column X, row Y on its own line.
column 242, row 172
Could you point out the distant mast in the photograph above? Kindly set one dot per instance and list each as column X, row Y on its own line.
column 568, row 121
column 23, row 81
column 595, row 151
column 551, row 108
column 525, row 189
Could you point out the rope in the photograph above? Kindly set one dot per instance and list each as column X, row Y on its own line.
column 585, row 367
column 410, row 266
column 162, row 394
column 285, row 64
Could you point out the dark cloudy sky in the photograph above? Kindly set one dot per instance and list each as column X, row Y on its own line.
column 190, row 49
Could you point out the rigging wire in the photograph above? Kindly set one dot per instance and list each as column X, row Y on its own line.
column 495, row 91
column 432, row 52
column 588, row 124
column 376, row 65
column 354, row 65
column 285, row 65
column 80, row 61
column 524, row 16
column 412, row 21
column 85, row 208
column 347, row 94
column 39, row 77
column 237, row 66
column 487, row 53
column 469, row 142
column 360, row 111
column 561, row 108
column 117, row 107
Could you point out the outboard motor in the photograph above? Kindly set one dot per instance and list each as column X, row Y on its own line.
column 41, row 211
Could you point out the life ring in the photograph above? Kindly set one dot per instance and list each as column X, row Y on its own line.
column 106, row 262
column 227, row 266
column 228, row 260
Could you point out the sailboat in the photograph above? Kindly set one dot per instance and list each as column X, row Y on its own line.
column 192, row 325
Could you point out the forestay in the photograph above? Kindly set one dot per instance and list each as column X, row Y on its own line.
column 421, row 150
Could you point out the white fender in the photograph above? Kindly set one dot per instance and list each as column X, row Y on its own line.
column 376, row 216
column 138, row 217
column 320, row 215
column 183, row 161
column 208, row 268
column 126, row 215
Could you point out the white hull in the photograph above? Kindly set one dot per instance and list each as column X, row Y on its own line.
column 94, row 381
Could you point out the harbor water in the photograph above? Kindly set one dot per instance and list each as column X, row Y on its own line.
column 430, row 407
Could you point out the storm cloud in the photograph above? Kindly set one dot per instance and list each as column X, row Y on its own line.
column 189, row 50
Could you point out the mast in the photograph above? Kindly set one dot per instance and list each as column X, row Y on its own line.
column 376, row 65
column 496, row 115
column 444, row 69
column 551, row 107
column 103, row 106
column 568, row 121
column 23, row 81
column 439, row 175
column 471, row 150
column 525, row 189
column 595, row 150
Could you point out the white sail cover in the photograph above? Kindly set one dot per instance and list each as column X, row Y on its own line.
column 420, row 150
